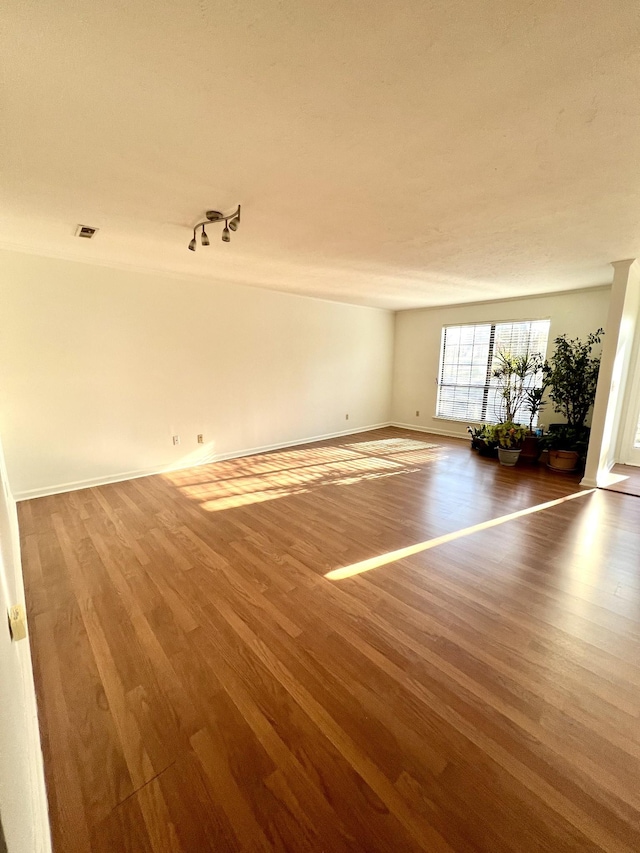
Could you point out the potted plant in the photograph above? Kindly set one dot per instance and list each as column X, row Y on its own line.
column 483, row 440
column 509, row 437
column 566, row 447
column 533, row 405
column 475, row 433
column 572, row 377
column 519, row 379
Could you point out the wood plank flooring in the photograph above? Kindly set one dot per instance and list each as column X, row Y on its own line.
column 630, row 485
column 202, row 686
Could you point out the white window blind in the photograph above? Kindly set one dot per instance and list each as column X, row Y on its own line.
column 467, row 390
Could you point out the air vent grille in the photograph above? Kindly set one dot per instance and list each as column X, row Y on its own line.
column 85, row 231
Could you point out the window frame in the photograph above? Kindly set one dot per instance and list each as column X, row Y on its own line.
column 487, row 417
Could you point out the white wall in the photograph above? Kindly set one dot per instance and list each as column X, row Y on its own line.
column 418, row 336
column 100, row 367
column 23, row 806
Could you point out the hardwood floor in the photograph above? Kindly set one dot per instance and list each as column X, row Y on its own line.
column 202, row 686
column 630, row 484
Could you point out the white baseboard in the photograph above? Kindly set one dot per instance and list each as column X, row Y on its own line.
column 430, row 430
column 603, row 478
column 588, row 483
column 147, row 472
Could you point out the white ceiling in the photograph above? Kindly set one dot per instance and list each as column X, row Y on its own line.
column 390, row 154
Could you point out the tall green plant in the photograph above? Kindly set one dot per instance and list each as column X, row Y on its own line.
column 534, row 402
column 573, row 376
column 516, row 376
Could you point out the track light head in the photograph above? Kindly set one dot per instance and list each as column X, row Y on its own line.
column 231, row 222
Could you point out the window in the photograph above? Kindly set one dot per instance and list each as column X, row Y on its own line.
column 466, row 388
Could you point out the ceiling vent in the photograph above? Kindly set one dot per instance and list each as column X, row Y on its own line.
column 85, row 231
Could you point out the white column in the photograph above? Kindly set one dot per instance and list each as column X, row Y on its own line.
column 617, row 345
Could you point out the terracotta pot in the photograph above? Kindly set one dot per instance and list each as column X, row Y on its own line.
column 563, row 460
column 508, row 457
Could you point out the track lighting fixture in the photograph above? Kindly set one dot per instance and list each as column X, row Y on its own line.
column 231, row 223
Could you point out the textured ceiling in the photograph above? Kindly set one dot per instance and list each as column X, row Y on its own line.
column 392, row 154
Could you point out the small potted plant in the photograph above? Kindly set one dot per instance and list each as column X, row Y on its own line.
column 572, row 378
column 509, row 437
column 483, row 440
column 475, row 433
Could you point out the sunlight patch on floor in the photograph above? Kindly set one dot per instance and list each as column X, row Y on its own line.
column 267, row 488
column 588, row 546
column 268, row 476
column 610, row 479
column 402, row 553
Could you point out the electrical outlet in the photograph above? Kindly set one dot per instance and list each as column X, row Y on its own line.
column 176, row 439
column 200, row 438
column 17, row 622
column 346, row 417
column 417, row 413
